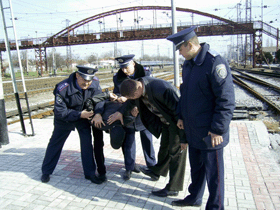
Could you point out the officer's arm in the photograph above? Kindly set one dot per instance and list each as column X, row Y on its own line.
column 62, row 112
column 101, row 97
column 222, row 86
column 116, row 89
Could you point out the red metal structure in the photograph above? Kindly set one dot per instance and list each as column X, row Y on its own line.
column 68, row 37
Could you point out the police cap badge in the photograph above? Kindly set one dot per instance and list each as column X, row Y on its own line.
column 86, row 72
column 124, row 60
column 179, row 38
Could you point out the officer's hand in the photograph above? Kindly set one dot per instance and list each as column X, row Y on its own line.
column 180, row 124
column 135, row 111
column 215, row 139
column 114, row 117
column 183, row 146
column 113, row 96
column 121, row 99
column 97, row 121
column 87, row 115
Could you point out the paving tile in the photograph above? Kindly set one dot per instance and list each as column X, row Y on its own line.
column 252, row 180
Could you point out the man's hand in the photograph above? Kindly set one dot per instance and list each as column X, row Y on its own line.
column 180, row 124
column 114, row 117
column 121, row 99
column 87, row 115
column 97, row 120
column 183, row 146
column 135, row 111
column 215, row 139
column 113, row 96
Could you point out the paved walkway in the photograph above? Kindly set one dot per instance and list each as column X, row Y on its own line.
column 252, row 177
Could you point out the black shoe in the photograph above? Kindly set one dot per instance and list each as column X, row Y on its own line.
column 149, row 173
column 164, row 193
column 45, row 178
column 136, row 169
column 94, row 179
column 102, row 177
column 184, row 203
column 127, row 175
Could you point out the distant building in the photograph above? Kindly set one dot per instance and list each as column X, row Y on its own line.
column 271, row 50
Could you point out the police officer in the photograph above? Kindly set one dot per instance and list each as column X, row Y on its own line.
column 131, row 69
column 206, row 107
column 70, row 96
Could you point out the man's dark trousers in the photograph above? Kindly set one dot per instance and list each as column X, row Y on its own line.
column 170, row 158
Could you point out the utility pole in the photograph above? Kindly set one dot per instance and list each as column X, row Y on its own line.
column 142, row 50
column 175, row 53
column 54, row 64
column 1, row 62
column 4, row 138
column 248, row 37
column 239, row 36
column 68, row 50
column 26, row 61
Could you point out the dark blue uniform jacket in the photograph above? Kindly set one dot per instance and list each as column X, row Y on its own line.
column 69, row 101
column 119, row 77
column 207, row 98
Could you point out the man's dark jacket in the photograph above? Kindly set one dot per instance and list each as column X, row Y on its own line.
column 119, row 77
column 165, row 97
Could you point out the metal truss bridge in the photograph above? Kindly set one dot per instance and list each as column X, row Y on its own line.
column 215, row 27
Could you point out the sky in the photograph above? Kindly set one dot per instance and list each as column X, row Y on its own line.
column 41, row 18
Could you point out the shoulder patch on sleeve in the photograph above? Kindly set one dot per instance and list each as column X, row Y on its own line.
column 95, row 78
column 62, row 86
column 58, row 99
column 213, row 53
column 221, row 71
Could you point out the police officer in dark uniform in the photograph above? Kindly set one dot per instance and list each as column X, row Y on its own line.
column 131, row 69
column 69, row 113
column 206, row 107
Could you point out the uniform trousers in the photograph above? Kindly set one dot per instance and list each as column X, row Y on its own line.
column 207, row 166
column 56, row 143
column 148, row 147
column 98, row 145
column 129, row 148
column 170, row 158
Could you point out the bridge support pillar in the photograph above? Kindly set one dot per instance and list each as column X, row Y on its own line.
column 41, row 60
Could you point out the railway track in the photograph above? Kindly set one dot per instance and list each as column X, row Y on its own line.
column 264, row 72
column 266, row 92
column 46, row 109
column 241, row 79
